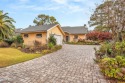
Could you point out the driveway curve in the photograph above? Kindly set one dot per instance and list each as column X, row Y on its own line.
column 71, row 64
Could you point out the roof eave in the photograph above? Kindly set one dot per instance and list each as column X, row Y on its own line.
column 32, row 32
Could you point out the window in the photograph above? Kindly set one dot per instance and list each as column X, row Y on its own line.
column 75, row 36
column 38, row 35
column 26, row 35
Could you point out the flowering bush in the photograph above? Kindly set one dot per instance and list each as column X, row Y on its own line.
column 96, row 35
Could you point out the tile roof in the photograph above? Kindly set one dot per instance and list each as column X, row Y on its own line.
column 75, row 30
column 39, row 28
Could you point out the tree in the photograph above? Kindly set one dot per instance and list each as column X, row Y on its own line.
column 110, row 16
column 43, row 19
column 6, row 26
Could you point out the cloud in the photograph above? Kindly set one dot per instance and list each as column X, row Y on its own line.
column 60, row 1
column 75, row 8
column 34, row 7
column 62, row 6
column 45, row 8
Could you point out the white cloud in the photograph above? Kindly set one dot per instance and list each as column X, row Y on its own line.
column 74, row 8
column 45, row 8
column 78, row 0
column 60, row 1
column 34, row 7
column 59, row 5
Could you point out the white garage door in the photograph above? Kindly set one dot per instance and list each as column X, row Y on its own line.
column 58, row 39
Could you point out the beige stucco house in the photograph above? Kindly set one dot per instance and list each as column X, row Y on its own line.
column 73, row 34
column 41, row 33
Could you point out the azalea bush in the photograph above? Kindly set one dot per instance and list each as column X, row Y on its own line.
column 96, row 35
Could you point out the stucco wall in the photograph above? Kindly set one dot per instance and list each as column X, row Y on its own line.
column 80, row 36
column 56, row 31
column 32, row 37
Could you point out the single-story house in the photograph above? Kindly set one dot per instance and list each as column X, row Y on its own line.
column 73, row 34
column 41, row 33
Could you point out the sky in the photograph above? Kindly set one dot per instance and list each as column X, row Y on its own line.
column 67, row 12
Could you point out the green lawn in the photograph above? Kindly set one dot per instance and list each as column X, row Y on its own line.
column 10, row 56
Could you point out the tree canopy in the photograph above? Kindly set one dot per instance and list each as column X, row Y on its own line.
column 43, row 19
column 6, row 25
column 109, row 16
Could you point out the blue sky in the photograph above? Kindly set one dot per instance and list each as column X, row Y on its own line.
column 67, row 12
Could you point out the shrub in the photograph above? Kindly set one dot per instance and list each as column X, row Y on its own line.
column 120, row 48
column 57, row 47
column 46, row 51
column 19, row 39
column 16, row 39
column 84, row 42
column 81, row 40
column 19, row 48
column 33, row 49
column 111, row 50
column 14, row 45
column 50, row 45
column 4, row 44
column 113, row 67
column 52, row 39
column 96, row 35
column 10, row 41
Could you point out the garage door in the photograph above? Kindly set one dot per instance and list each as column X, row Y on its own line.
column 58, row 39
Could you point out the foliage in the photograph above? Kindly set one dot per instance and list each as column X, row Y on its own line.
column 96, row 35
column 46, row 51
column 113, row 67
column 120, row 48
column 105, row 17
column 33, row 49
column 50, row 45
column 111, row 50
column 13, row 45
column 6, row 25
column 84, row 42
column 101, row 28
column 52, row 39
column 10, row 56
column 43, row 19
column 19, row 39
column 55, row 48
column 9, row 41
column 4, row 44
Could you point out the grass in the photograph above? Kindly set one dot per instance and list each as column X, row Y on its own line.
column 10, row 56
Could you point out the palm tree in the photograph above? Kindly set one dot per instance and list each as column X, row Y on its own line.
column 6, row 26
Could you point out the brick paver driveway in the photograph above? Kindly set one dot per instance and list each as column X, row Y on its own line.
column 72, row 64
